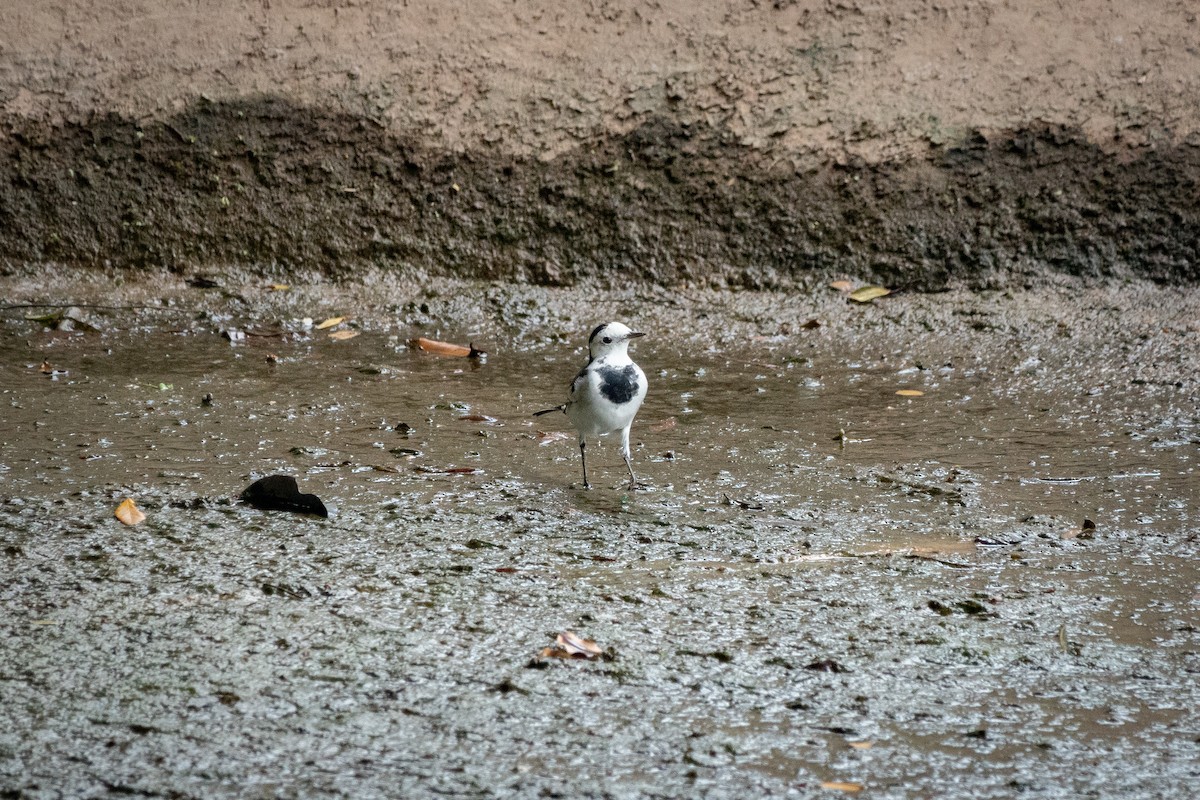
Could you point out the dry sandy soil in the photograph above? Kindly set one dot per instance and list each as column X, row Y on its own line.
column 751, row 143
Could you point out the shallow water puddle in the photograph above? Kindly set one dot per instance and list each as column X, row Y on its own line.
column 770, row 445
column 812, row 561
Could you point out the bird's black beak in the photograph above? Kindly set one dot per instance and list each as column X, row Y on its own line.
column 634, row 335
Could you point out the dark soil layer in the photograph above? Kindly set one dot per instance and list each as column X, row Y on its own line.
column 269, row 183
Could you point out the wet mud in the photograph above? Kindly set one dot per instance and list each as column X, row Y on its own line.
column 820, row 581
column 267, row 182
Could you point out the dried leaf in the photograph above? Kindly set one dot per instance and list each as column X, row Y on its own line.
column 279, row 287
column 129, row 513
column 866, row 294
column 1084, row 531
column 549, row 437
column 841, row 286
column 842, row 786
column 665, row 425
column 49, row 320
column 446, row 348
column 341, row 336
column 861, row 745
column 484, row 418
column 812, row 324
column 569, row 645
column 46, row 368
column 910, row 393
column 329, row 323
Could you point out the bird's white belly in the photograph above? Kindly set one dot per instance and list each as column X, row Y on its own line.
column 599, row 417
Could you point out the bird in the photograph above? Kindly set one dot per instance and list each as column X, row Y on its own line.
column 606, row 394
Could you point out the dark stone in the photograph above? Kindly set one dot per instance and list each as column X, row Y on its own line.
column 280, row 493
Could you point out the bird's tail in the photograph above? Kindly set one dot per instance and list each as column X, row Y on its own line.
column 562, row 408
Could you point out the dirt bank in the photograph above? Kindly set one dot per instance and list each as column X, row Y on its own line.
column 920, row 144
column 270, row 183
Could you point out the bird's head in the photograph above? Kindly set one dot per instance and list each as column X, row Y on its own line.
column 611, row 337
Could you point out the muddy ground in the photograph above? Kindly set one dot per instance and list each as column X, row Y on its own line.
column 985, row 587
column 821, row 586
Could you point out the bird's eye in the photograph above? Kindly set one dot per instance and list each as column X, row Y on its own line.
column 608, row 340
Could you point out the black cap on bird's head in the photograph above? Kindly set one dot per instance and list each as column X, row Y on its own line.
column 609, row 337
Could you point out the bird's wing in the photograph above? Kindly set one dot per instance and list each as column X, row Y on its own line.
column 580, row 383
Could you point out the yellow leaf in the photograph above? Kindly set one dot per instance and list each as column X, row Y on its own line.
column 841, row 286
column 866, row 294
column 279, row 287
column 910, row 393
column 329, row 323
column 129, row 513
column 341, row 336
column 842, row 786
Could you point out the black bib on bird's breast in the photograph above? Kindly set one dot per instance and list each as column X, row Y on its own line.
column 618, row 385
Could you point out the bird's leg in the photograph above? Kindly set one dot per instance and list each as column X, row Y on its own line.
column 625, row 453
column 583, row 458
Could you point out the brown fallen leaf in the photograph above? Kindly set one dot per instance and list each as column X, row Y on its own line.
column 446, row 348
column 129, row 513
column 665, row 425
column 329, row 323
column 1085, row 531
column 842, row 786
column 569, row 645
column 341, row 336
column 812, row 324
column 479, row 418
column 279, row 287
column 841, row 286
column 46, row 368
column 910, row 393
column 866, row 294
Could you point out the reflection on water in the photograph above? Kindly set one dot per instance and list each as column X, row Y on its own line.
column 765, row 432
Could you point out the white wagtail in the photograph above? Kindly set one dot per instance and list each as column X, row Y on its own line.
column 607, row 393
